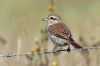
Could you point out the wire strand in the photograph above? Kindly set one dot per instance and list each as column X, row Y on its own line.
column 44, row 52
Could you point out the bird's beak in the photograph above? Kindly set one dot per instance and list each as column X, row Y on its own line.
column 45, row 19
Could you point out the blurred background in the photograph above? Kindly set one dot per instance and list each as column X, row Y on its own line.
column 22, row 30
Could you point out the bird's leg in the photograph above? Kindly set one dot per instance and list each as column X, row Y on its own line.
column 68, row 49
column 55, row 49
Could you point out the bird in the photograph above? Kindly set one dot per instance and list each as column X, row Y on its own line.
column 59, row 33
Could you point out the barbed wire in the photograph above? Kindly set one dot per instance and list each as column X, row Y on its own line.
column 45, row 52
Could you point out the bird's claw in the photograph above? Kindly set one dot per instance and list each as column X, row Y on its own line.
column 68, row 50
column 54, row 52
column 45, row 50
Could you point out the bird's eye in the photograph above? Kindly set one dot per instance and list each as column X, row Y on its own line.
column 52, row 18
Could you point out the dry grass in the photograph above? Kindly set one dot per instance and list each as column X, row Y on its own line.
column 22, row 18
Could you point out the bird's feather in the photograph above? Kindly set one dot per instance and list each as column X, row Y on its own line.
column 61, row 30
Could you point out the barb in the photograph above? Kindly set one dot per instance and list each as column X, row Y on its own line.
column 45, row 52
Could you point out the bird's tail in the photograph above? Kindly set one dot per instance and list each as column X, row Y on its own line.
column 73, row 43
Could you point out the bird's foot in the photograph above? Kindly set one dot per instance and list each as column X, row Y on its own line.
column 45, row 50
column 68, row 49
column 55, row 50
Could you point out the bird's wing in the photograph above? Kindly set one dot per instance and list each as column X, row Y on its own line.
column 60, row 30
column 64, row 35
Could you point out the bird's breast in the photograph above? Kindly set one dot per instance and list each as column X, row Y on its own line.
column 56, row 40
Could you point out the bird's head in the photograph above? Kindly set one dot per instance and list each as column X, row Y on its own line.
column 53, row 19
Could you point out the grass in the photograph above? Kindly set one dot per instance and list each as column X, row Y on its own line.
column 23, row 18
